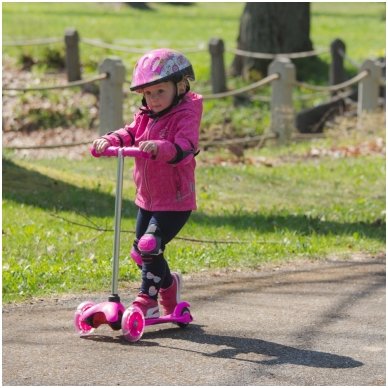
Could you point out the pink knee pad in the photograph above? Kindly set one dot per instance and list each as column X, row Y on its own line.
column 136, row 256
column 149, row 244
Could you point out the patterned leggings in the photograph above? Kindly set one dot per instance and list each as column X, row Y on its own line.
column 155, row 270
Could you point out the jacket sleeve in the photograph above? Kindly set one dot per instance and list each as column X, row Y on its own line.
column 184, row 147
column 124, row 136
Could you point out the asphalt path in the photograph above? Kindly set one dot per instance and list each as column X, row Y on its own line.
column 303, row 323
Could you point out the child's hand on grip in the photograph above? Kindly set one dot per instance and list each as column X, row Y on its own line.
column 148, row 146
column 100, row 145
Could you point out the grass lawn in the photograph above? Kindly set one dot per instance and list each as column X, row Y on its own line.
column 55, row 211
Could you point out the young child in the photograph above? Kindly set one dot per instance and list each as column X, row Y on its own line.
column 167, row 126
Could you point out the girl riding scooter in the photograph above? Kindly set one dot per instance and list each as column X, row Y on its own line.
column 167, row 126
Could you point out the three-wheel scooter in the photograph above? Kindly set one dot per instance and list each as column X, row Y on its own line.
column 131, row 321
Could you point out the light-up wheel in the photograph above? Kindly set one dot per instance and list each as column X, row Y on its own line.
column 80, row 326
column 132, row 324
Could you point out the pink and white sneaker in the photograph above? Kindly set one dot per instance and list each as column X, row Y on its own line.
column 170, row 297
column 147, row 305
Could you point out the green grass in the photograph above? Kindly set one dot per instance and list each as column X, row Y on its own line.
column 308, row 209
column 360, row 25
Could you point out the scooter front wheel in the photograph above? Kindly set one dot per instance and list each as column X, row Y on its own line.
column 132, row 324
column 80, row 326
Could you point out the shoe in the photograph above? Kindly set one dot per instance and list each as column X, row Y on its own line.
column 170, row 297
column 147, row 305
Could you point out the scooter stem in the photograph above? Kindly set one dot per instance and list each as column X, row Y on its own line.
column 117, row 226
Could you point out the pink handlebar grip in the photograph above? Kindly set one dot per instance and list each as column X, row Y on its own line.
column 126, row 151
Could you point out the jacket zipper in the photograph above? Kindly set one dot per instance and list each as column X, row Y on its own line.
column 146, row 166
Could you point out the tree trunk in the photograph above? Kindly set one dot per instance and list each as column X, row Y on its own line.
column 271, row 28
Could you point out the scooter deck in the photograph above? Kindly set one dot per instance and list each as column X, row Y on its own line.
column 171, row 318
column 178, row 316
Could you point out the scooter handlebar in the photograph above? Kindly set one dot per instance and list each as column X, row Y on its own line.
column 133, row 152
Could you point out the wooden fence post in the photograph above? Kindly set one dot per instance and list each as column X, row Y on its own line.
column 217, row 73
column 111, row 95
column 282, row 110
column 369, row 87
column 337, row 71
column 73, row 66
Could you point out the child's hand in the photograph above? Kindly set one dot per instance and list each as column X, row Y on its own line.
column 100, row 145
column 148, row 146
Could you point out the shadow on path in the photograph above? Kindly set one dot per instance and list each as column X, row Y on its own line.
column 238, row 348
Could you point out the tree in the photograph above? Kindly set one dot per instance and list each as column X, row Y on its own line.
column 139, row 5
column 271, row 28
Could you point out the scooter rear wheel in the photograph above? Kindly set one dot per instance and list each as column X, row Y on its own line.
column 80, row 326
column 133, row 324
column 183, row 312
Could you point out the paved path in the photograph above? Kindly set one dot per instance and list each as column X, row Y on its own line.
column 320, row 323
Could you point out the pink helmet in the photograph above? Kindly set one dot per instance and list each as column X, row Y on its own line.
column 159, row 66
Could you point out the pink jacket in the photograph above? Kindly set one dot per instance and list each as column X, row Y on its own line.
column 166, row 182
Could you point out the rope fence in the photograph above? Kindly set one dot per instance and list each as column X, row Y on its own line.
column 334, row 88
column 130, row 50
column 350, row 60
column 259, row 140
column 281, row 78
column 265, row 81
column 257, row 55
column 133, row 50
column 49, row 146
column 33, row 42
column 100, row 44
column 65, row 86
